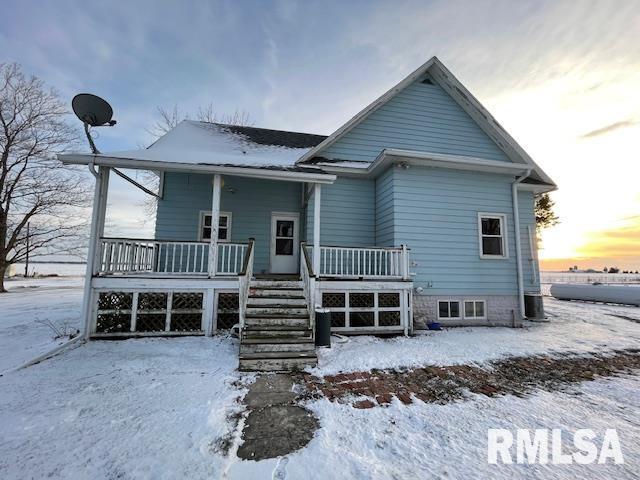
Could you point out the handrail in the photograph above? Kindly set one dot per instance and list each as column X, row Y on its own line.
column 364, row 262
column 127, row 239
column 184, row 257
column 309, row 265
column 309, row 286
column 244, row 282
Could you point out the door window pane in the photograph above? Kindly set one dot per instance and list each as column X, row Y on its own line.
column 284, row 228
column 284, row 246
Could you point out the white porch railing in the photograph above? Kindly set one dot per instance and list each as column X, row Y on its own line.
column 244, row 281
column 364, row 262
column 130, row 256
column 309, row 285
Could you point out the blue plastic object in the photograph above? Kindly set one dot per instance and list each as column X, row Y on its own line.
column 434, row 326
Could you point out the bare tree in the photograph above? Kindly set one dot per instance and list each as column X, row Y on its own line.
column 169, row 118
column 35, row 189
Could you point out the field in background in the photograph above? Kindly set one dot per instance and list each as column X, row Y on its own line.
column 547, row 278
column 60, row 269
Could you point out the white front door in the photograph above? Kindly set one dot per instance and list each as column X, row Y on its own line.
column 285, row 248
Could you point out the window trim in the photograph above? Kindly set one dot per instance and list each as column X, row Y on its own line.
column 449, row 300
column 504, row 235
column 203, row 213
column 484, row 309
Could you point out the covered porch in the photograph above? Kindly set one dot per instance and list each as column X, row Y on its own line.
column 196, row 279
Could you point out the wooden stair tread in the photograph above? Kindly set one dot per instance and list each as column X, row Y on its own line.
column 277, row 355
column 275, row 340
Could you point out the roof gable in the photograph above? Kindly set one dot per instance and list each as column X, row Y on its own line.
column 444, row 79
column 421, row 117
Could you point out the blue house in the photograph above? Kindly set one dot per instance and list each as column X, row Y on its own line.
column 419, row 209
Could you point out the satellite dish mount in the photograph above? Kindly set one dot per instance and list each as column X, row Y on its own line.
column 93, row 111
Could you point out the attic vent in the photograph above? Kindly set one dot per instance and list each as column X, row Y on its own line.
column 427, row 81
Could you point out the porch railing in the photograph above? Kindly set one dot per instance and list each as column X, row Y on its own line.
column 244, row 280
column 364, row 262
column 130, row 255
column 309, row 284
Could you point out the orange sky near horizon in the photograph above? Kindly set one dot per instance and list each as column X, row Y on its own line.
column 583, row 129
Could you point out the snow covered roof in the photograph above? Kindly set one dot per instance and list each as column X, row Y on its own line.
column 217, row 148
column 205, row 143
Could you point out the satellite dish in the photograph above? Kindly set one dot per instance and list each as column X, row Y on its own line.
column 92, row 110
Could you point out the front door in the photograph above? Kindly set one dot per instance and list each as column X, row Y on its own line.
column 285, row 248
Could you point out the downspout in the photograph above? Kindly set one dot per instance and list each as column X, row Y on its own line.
column 516, row 223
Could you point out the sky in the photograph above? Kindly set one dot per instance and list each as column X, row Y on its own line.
column 561, row 76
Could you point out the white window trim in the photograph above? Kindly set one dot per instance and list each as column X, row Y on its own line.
column 222, row 214
column 449, row 300
column 464, row 311
column 503, row 229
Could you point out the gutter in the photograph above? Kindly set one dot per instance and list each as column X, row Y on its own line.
column 516, row 223
column 239, row 171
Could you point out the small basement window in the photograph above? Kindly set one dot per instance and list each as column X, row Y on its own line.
column 475, row 309
column 224, row 226
column 448, row 309
column 492, row 235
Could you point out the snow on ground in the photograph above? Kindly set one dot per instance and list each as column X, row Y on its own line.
column 573, row 326
column 28, row 307
column 151, row 408
column 450, row 441
column 157, row 408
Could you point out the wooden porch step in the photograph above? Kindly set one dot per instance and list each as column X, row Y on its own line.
column 275, row 314
column 276, row 293
column 306, row 345
column 274, row 333
column 271, row 340
column 267, row 323
column 270, row 284
column 295, row 301
column 280, row 310
column 276, row 361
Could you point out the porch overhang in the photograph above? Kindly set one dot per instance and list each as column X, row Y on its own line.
column 266, row 172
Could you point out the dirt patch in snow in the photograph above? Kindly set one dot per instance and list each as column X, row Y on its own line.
column 443, row 384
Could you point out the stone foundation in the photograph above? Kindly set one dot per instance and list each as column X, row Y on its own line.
column 502, row 311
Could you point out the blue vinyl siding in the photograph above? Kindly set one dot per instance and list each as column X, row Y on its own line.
column 347, row 213
column 384, row 210
column 185, row 195
column 530, row 269
column 421, row 117
column 436, row 214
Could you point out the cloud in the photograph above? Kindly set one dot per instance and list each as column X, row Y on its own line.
column 610, row 128
column 622, row 243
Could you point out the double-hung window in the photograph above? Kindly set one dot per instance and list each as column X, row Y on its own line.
column 492, row 232
column 224, row 226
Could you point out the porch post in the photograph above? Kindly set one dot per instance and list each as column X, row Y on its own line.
column 93, row 253
column 215, row 219
column 316, row 229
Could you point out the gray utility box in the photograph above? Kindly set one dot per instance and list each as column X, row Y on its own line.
column 533, row 306
column 323, row 327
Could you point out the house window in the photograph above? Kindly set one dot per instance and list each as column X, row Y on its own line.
column 448, row 309
column 492, row 234
column 224, row 226
column 475, row 309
